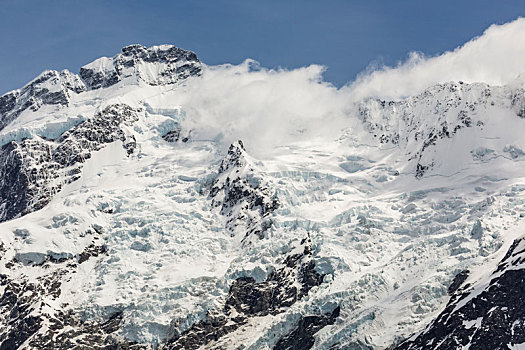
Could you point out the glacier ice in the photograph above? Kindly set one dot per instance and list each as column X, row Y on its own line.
column 354, row 220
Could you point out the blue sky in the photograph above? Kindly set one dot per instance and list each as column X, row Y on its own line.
column 345, row 36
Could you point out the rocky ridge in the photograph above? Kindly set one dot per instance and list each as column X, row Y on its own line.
column 34, row 170
column 134, row 64
column 453, row 107
column 241, row 194
column 482, row 316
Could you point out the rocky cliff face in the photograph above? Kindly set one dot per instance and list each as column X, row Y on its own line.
column 49, row 88
column 34, row 170
column 486, row 315
column 157, row 65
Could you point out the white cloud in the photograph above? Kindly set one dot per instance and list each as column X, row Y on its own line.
column 497, row 57
column 263, row 107
column 267, row 108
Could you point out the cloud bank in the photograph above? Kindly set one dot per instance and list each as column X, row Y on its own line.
column 497, row 57
column 265, row 108
column 268, row 108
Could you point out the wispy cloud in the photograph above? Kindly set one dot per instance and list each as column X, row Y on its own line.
column 497, row 57
column 267, row 108
column 264, row 107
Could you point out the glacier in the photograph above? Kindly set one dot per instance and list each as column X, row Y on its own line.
column 155, row 202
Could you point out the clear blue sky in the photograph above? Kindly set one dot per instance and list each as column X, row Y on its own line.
column 345, row 36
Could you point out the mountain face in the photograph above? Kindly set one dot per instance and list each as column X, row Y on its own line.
column 36, row 169
column 125, row 226
column 158, row 65
column 487, row 315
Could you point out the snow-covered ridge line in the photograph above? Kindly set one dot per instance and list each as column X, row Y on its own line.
column 417, row 124
column 157, row 65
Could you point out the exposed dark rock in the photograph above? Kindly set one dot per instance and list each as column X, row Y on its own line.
column 458, row 281
column 49, row 88
column 212, row 328
column 68, row 331
column 34, row 170
column 77, row 144
column 492, row 319
column 91, row 251
column 406, row 123
column 279, row 289
column 175, row 135
column 172, row 135
column 248, row 298
column 302, row 337
column 26, row 174
column 24, row 312
column 56, row 88
column 421, row 170
column 235, row 158
column 177, row 65
column 238, row 186
column 518, row 102
column 17, row 305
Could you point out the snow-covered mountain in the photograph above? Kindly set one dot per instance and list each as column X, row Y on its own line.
column 151, row 202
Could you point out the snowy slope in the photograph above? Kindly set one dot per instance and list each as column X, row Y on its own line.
column 133, row 216
column 484, row 311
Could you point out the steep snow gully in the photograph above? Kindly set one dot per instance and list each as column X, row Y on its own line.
column 133, row 217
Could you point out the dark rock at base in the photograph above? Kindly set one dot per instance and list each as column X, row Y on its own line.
column 203, row 332
column 302, row 337
column 458, row 281
column 492, row 319
column 279, row 290
column 22, row 309
column 247, row 298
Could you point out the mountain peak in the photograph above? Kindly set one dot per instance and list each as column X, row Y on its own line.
column 156, row 65
column 158, row 53
column 236, row 158
column 128, row 220
column 134, row 48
